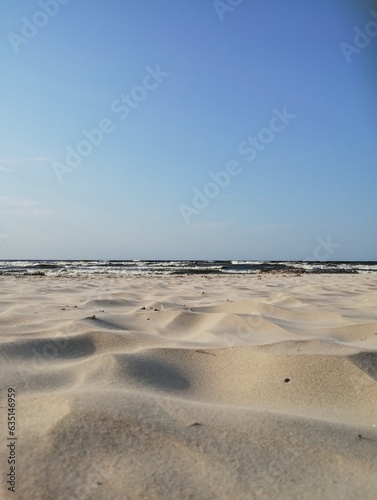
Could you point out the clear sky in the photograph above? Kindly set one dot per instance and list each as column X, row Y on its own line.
column 178, row 91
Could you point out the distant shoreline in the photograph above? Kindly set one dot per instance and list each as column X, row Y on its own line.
column 87, row 268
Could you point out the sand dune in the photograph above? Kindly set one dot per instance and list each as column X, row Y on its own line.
column 191, row 387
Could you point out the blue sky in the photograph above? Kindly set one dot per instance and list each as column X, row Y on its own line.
column 179, row 86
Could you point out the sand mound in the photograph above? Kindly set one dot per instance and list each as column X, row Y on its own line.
column 192, row 387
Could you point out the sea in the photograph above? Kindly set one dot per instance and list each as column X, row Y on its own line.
column 87, row 268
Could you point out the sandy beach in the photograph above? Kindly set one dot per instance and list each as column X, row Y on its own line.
column 194, row 387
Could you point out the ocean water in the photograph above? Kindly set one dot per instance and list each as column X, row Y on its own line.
column 82, row 268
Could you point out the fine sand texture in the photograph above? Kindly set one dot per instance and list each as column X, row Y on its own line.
column 190, row 387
